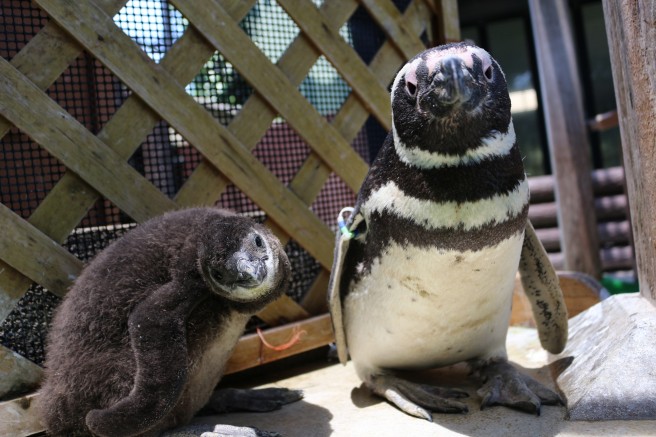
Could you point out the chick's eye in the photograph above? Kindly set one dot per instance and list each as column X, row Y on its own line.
column 216, row 274
column 488, row 73
column 258, row 241
column 411, row 88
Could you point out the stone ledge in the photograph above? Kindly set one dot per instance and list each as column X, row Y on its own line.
column 612, row 373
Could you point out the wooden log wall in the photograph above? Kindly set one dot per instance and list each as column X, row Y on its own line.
column 613, row 229
column 631, row 31
column 30, row 249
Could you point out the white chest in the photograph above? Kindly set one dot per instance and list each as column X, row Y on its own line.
column 422, row 308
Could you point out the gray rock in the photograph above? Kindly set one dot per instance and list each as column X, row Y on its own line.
column 612, row 374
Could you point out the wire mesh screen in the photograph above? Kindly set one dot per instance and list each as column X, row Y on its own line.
column 92, row 94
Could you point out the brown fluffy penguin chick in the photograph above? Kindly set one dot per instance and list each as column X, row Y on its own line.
column 142, row 338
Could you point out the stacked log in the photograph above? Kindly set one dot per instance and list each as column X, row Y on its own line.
column 611, row 206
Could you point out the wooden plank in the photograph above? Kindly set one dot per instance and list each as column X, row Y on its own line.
column 612, row 259
column 35, row 255
column 205, row 184
column 618, row 258
column 385, row 64
column 124, row 132
column 48, row 54
column 249, row 125
column 271, row 83
column 251, row 352
column 388, row 17
column 579, row 290
column 449, row 20
column 17, row 374
column 40, row 117
column 544, row 215
column 605, row 181
column 447, row 28
column 158, row 89
column 567, row 133
column 281, row 311
column 13, row 286
column 43, row 59
column 631, row 35
column 18, row 417
column 609, row 233
column 343, row 57
column 315, row 300
column 71, row 197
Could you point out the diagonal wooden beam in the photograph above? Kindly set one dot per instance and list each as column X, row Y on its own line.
column 205, row 185
column 40, row 117
column 385, row 64
column 273, row 85
column 71, row 197
column 343, row 57
column 98, row 33
column 448, row 23
column 251, row 123
column 34, row 254
column 49, row 53
column 389, row 18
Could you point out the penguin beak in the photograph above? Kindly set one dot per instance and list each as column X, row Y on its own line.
column 451, row 86
column 251, row 272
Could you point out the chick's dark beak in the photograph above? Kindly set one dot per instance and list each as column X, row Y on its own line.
column 251, row 272
column 451, row 86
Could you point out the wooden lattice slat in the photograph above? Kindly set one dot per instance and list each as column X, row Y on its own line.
column 273, row 85
column 61, row 134
column 251, row 123
column 98, row 33
column 35, row 255
column 158, row 93
column 343, row 57
column 389, row 19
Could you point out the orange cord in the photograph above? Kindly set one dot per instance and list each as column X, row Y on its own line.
column 296, row 337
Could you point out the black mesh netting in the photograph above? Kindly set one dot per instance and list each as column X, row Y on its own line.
column 93, row 94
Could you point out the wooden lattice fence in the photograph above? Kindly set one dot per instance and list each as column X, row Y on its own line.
column 97, row 167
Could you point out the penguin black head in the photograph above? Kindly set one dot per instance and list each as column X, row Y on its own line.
column 448, row 100
column 242, row 261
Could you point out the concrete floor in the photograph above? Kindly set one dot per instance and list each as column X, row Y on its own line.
column 336, row 404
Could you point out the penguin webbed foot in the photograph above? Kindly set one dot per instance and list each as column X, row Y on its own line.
column 416, row 399
column 257, row 400
column 504, row 385
column 219, row 431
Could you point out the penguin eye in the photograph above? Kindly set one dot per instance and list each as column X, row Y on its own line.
column 488, row 73
column 411, row 88
column 216, row 274
column 258, row 241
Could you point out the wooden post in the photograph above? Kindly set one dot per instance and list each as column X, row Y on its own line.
column 567, row 133
column 631, row 31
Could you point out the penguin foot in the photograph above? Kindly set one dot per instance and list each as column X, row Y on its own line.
column 259, row 400
column 505, row 385
column 218, row 431
column 417, row 399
